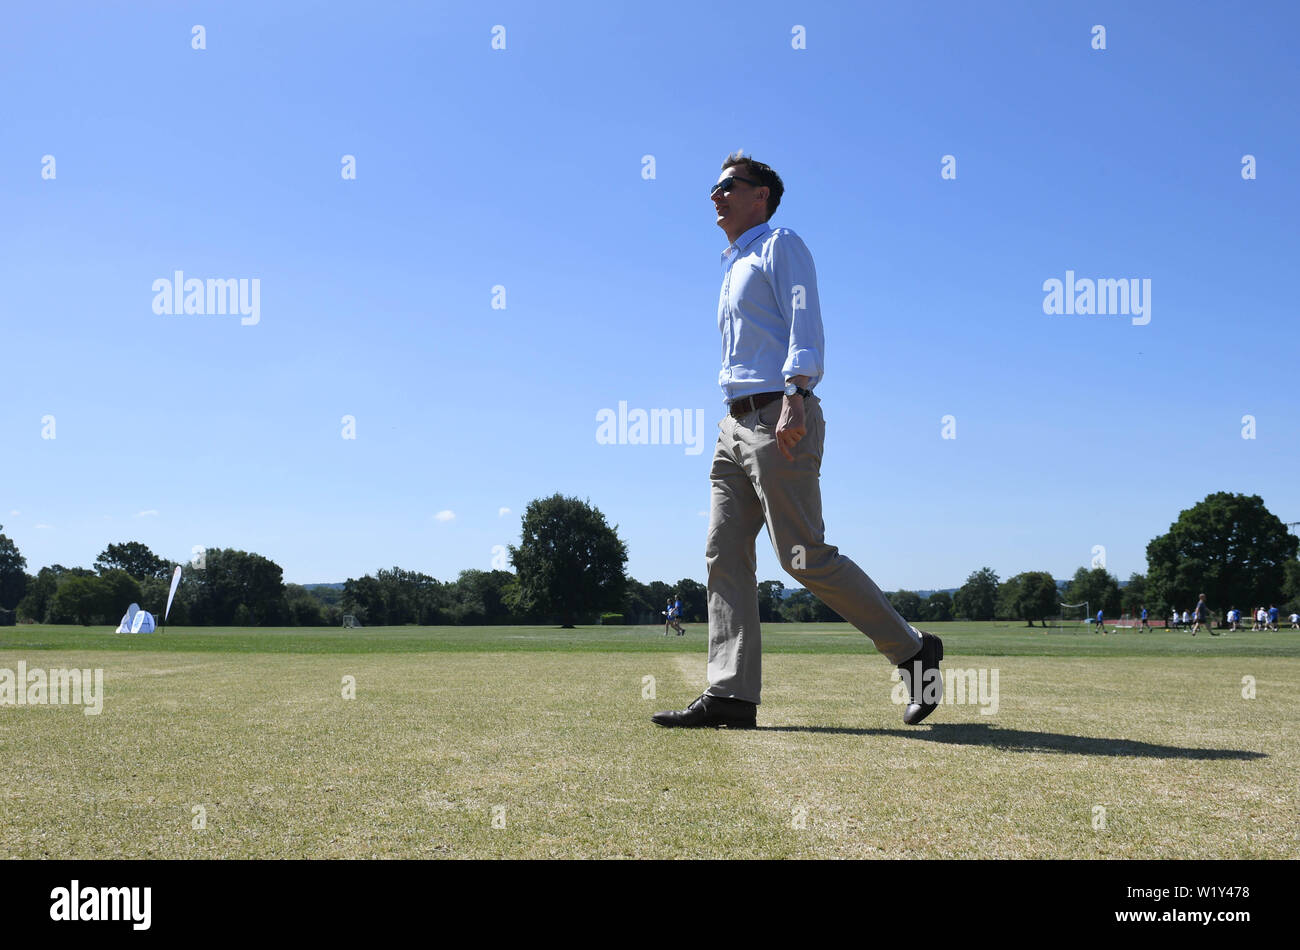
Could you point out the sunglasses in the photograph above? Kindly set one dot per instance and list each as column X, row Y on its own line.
column 726, row 183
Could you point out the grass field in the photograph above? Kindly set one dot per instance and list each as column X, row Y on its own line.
column 536, row 742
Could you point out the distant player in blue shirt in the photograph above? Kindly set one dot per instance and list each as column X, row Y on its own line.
column 672, row 613
column 1272, row 619
column 1101, row 624
column 1145, row 625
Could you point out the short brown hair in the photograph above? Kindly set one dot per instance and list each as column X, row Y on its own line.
column 764, row 174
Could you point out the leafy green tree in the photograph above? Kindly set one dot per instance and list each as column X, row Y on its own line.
column 1291, row 585
column 695, row 600
column 977, row 598
column 569, row 561
column 362, row 598
column 301, row 608
column 120, row 591
column 1229, row 547
column 937, row 607
column 231, row 579
column 1029, row 596
column 822, row 613
column 1040, row 597
column 636, row 602
column 399, row 597
column 1004, row 608
column 1133, row 597
column 134, row 558
column 328, row 595
column 13, row 573
column 800, row 607
column 908, row 604
column 1095, row 586
column 803, row 606
column 479, row 597
column 80, row 600
column 59, row 571
column 35, row 605
column 770, row 595
column 518, row 606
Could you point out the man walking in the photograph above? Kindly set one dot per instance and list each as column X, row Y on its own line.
column 1202, row 617
column 767, row 464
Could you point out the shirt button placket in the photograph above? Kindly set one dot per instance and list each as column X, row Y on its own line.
column 726, row 320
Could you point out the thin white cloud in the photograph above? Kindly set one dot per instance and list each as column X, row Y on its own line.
column 44, row 527
column 148, row 513
column 446, row 515
column 15, row 512
column 501, row 512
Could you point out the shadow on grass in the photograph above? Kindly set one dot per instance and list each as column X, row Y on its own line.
column 1021, row 740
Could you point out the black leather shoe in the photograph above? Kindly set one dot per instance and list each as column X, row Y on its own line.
column 711, row 712
column 923, row 686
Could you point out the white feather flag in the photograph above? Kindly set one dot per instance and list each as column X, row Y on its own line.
column 176, row 582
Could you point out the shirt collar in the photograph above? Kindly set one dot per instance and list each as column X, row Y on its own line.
column 742, row 242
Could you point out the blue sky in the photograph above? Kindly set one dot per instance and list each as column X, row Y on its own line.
column 522, row 168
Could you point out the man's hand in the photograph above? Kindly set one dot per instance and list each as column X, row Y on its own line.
column 790, row 427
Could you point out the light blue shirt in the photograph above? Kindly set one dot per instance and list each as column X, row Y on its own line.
column 768, row 313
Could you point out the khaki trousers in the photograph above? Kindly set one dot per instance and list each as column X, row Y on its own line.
column 754, row 485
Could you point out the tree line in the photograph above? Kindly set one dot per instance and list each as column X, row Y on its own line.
column 570, row 568
column 225, row 586
column 1229, row 547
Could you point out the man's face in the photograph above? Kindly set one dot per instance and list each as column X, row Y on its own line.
column 740, row 207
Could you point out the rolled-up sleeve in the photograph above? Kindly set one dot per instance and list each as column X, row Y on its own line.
column 794, row 282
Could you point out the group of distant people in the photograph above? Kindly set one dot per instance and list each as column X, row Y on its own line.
column 673, row 616
column 1198, row 619
column 1264, row 619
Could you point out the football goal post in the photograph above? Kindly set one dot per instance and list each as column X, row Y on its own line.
column 1074, row 618
column 350, row 621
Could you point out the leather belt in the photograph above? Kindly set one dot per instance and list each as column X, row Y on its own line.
column 739, row 408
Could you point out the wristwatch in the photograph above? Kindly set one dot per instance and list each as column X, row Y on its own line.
column 791, row 390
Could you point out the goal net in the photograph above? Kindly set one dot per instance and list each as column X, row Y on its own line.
column 350, row 621
column 1074, row 618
